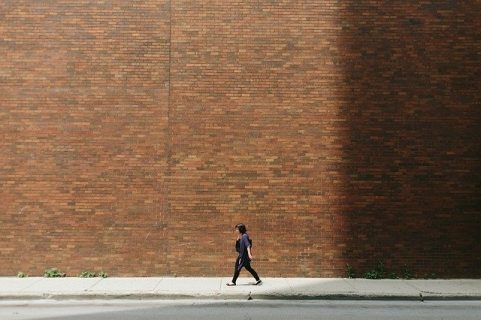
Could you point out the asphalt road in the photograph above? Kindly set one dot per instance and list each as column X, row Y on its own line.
column 233, row 310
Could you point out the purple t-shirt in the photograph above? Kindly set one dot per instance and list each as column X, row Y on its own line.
column 243, row 254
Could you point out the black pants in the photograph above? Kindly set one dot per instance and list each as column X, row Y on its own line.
column 248, row 268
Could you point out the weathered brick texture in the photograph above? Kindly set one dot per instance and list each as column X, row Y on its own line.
column 135, row 134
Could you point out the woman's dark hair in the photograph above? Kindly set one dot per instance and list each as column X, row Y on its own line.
column 241, row 227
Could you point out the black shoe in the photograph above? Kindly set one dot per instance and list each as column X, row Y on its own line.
column 258, row 282
column 230, row 284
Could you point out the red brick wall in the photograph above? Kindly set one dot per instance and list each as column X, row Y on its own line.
column 135, row 134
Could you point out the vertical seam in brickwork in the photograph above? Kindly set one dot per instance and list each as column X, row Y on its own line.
column 169, row 127
column 169, row 132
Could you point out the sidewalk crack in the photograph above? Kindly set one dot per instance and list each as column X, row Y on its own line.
column 38, row 280
column 412, row 286
column 157, row 285
column 350, row 285
column 98, row 280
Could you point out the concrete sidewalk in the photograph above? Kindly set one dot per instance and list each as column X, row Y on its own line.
column 215, row 288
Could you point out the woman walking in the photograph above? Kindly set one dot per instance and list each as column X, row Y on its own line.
column 243, row 246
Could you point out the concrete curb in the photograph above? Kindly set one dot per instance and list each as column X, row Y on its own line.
column 165, row 288
column 260, row 296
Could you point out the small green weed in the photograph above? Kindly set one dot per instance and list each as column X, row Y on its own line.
column 21, row 274
column 87, row 274
column 406, row 272
column 91, row 274
column 378, row 272
column 54, row 273
column 350, row 271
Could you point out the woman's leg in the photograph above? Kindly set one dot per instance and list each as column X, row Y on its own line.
column 236, row 271
column 252, row 271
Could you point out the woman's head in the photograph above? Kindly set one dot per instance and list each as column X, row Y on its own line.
column 241, row 228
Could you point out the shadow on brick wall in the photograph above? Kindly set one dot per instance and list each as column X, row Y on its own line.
column 412, row 105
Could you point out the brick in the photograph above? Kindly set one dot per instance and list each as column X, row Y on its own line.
column 135, row 135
